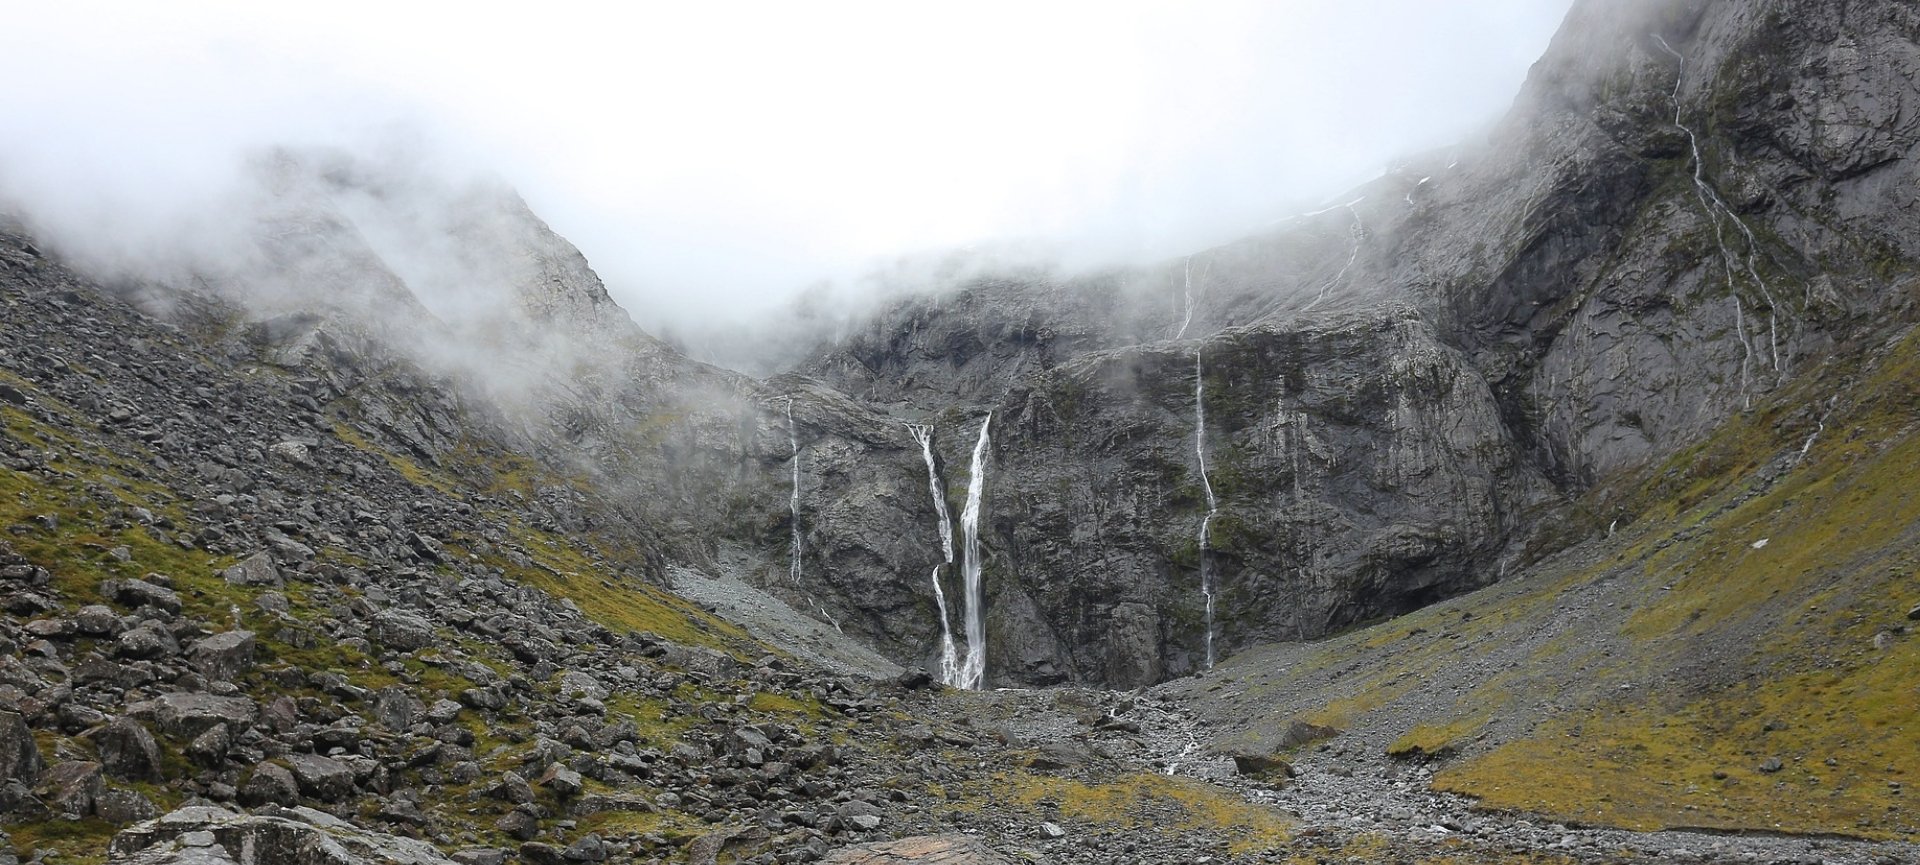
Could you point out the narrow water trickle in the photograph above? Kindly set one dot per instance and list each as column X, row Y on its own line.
column 949, row 656
column 1715, row 206
column 1206, row 484
column 793, row 501
column 973, row 671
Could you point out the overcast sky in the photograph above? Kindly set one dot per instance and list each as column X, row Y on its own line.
column 710, row 157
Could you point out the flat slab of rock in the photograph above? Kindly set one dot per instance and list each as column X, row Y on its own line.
column 277, row 836
column 188, row 714
column 920, row 850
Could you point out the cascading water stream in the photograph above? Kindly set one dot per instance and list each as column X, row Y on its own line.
column 1358, row 232
column 1711, row 202
column 1188, row 318
column 949, row 656
column 1206, row 484
column 793, row 501
column 973, row 671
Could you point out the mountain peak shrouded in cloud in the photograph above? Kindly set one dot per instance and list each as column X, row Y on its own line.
column 713, row 160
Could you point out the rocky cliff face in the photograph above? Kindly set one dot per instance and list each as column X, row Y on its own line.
column 1690, row 204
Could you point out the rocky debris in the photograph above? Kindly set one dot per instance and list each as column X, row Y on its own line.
column 921, row 850
column 275, row 836
column 406, row 665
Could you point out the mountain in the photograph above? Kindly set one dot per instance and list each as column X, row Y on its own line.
column 1557, row 475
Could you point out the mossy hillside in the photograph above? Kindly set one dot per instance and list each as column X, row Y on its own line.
column 1137, row 800
column 563, row 567
column 1712, row 657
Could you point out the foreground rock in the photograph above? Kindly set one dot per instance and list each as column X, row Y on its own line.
column 922, row 850
column 277, row 836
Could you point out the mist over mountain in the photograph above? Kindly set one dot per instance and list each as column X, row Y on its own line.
column 1538, row 494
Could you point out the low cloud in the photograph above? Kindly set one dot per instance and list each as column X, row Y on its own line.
column 713, row 160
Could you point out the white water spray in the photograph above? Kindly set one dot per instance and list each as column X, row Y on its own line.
column 949, row 656
column 1358, row 231
column 973, row 671
column 1188, row 319
column 1206, row 484
column 1714, row 205
column 793, row 501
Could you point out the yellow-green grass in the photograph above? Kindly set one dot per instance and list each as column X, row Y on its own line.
column 1144, row 799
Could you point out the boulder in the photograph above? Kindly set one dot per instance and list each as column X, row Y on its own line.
column 255, row 570
column 70, row 789
column 323, row 778
column 141, row 593
column 127, row 751
column 123, row 807
column 925, row 849
column 210, row 748
column 223, row 656
column 148, row 640
column 275, row 836
column 396, row 708
column 269, row 784
column 19, row 754
column 187, row 714
column 403, row 632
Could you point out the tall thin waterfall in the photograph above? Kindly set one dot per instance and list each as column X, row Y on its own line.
column 793, row 501
column 1213, row 505
column 1715, row 206
column 949, row 656
column 973, row 671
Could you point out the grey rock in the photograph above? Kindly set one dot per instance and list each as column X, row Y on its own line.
column 443, row 711
column 97, row 620
column 223, row 656
column 122, row 807
column 188, row 714
column 277, row 836
column 561, row 780
column 933, row 849
column 402, row 631
column 323, row 778
column 141, row 593
column 269, row 784
column 588, row 849
column 20, row 758
column 396, row 708
column 148, row 640
column 518, row 825
column 255, row 570
column 72, row 788
column 127, row 750
column 210, row 748
column 513, row 788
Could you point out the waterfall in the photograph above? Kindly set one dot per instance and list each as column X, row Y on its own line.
column 973, row 672
column 1714, row 205
column 1187, row 276
column 1213, row 505
column 949, row 657
column 793, row 501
